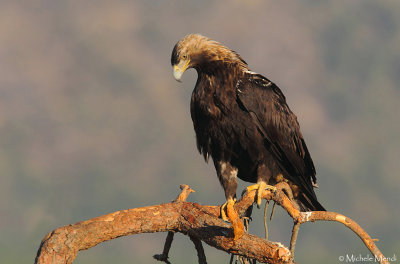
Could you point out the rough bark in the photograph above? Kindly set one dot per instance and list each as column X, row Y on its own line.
column 199, row 222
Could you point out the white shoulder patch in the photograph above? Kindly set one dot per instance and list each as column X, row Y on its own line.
column 267, row 84
column 250, row 72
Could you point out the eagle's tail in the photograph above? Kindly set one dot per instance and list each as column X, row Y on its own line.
column 309, row 204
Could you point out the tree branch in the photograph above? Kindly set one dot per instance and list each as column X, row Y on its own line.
column 200, row 250
column 199, row 222
column 186, row 190
column 304, row 217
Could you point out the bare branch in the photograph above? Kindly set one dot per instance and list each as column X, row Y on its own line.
column 199, row 222
column 303, row 217
column 200, row 250
column 186, row 190
column 63, row 244
column 351, row 224
column 167, row 246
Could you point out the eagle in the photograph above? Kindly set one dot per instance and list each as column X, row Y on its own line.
column 242, row 120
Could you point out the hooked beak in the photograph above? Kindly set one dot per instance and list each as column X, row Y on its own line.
column 180, row 69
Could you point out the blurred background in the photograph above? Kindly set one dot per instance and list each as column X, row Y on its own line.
column 92, row 121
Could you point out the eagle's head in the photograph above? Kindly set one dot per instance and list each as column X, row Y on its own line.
column 199, row 52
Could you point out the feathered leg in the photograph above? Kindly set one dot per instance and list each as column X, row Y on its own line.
column 227, row 176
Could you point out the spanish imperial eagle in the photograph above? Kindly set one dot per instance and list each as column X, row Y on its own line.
column 243, row 122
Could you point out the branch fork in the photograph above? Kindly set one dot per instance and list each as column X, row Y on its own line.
column 199, row 222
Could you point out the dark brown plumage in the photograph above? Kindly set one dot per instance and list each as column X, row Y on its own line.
column 243, row 122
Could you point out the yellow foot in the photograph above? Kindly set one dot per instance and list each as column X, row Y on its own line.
column 233, row 216
column 223, row 208
column 260, row 187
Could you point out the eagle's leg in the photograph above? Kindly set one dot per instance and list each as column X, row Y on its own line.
column 264, row 175
column 227, row 176
column 232, row 216
column 223, row 209
column 260, row 187
column 234, row 219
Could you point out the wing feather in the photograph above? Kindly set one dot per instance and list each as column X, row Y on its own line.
column 267, row 106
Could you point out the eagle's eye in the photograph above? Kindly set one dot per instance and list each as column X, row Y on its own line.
column 185, row 56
